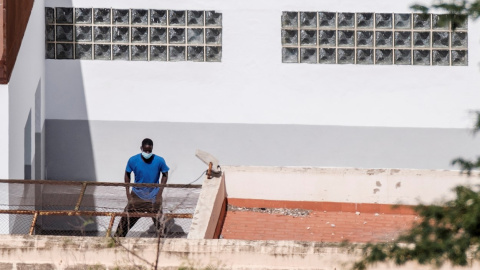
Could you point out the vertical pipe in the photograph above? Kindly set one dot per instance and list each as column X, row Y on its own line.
column 209, row 172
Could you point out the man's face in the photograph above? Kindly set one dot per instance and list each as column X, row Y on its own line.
column 147, row 148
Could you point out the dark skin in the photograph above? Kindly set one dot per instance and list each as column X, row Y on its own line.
column 147, row 149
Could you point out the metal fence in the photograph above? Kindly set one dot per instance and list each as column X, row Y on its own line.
column 40, row 207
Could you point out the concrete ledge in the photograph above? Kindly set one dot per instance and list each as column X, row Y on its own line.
column 58, row 252
column 209, row 207
column 344, row 185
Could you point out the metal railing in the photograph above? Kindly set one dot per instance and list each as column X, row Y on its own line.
column 48, row 206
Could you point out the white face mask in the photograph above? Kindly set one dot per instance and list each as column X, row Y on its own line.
column 147, row 155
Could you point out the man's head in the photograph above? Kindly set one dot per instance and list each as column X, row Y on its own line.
column 147, row 147
column 147, row 141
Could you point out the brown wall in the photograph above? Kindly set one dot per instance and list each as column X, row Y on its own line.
column 14, row 18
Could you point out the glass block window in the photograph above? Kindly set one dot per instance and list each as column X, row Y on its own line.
column 133, row 34
column 372, row 39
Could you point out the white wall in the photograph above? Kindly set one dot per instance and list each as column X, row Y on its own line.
column 4, row 108
column 4, row 154
column 27, row 74
column 122, row 102
column 347, row 185
column 27, row 78
column 251, row 85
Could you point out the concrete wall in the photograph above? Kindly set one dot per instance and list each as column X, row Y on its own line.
column 209, row 206
column 251, row 85
column 50, row 252
column 25, row 119
column 25, row 86
column 251, row 109
column 4, row 119
column 4, row 162
column 103, row 148
column 350, row 185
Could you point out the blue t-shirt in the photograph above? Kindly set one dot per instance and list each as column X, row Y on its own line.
column 148, row 173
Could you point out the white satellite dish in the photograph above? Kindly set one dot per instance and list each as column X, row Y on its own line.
column 210, row 160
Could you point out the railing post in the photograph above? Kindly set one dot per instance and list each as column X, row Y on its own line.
column 32, row 227
column 80, row 198
column 110, row 225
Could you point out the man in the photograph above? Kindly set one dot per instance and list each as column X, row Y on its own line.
column 147, row 168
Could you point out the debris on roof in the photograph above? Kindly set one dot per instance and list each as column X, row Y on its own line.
column 276, row 211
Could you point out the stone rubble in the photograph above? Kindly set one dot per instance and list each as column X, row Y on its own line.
column 276, row 211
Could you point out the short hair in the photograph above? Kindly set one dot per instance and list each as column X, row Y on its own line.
column 147, row 141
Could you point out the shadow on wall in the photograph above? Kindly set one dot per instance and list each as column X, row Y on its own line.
column 69, row 153
column 68, row 147
column 69, row 150
column 29, row 196
column 23, row 195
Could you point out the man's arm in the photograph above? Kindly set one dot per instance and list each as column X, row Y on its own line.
column 163, row 181
column 164, row 178
column 127, row 180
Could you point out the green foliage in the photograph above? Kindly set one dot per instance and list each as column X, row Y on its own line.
column 454, row 11
column 450, row 232
column 445, row 233
column 111, row 242
column 476, row 127
column 194, row 265
column 209, row 267
column 468, row 166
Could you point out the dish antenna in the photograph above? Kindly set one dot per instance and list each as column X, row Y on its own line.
column 213, row 166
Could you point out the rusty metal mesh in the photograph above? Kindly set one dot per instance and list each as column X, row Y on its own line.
column 88, row 208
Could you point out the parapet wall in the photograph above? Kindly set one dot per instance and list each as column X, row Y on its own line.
column 329, row 189
column 57, row 252
column 345, row 185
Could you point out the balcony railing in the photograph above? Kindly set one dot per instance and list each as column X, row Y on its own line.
column 88, row 208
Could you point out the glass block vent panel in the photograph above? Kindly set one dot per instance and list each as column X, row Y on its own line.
column 137, row 34
column 368, row 38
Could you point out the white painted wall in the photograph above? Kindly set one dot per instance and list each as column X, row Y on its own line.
column 348, row 185
column 27, row 74
column 4, row 154
column 251, row 85
column 19, row 95
column 4, row 119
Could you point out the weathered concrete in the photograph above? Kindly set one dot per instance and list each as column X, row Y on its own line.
column 6, row 266
column 346, row 185
column 35, row 266
column 54, row 252
column 208, row 209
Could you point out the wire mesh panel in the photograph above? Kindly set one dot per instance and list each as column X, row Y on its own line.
column 59, row 197
column 68, row 225
column 4, row 224
column 169, row 227
column 22, row 196
column 89, row 208
column 103, row 199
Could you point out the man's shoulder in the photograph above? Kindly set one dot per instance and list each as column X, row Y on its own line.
column 159, row 159
column 134, row 158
